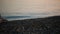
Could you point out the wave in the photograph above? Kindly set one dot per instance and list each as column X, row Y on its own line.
column 23, row 17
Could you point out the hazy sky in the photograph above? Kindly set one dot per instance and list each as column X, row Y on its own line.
column 15, row 7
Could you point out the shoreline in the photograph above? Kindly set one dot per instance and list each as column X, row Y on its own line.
column 10, row 18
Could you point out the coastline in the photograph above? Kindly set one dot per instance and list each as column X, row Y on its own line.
column 10, row 18
column 32, row 26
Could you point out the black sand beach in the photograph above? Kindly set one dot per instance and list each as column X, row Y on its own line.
column 48, row 25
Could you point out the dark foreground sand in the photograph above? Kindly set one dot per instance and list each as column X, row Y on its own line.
column 48, row 25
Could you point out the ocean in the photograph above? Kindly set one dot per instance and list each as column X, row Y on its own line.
column 10, row 18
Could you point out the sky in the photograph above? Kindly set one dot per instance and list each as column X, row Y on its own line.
column 30, row 7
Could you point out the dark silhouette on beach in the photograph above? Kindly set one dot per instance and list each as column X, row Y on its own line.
column 47, row 25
